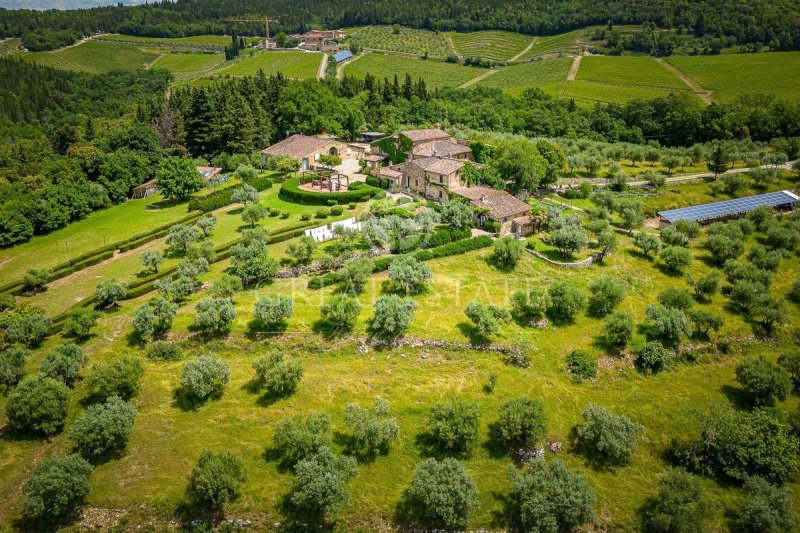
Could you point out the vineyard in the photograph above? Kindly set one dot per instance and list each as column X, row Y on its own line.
column 628, row 70
column 515, row 79
column 402, row 40
column 493, row 45
column 590, row 92
column 199, row 40
column 732, row 76
column 293, row 64
column 95, row 57
column 435, row 73
column 184, row 66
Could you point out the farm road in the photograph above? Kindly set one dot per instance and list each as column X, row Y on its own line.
column 701, row 93
column 323, row 67
column 476, row 79
column 340, row 67
column 525, row 51
column 573, row 71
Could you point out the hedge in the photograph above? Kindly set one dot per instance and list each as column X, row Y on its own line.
column 222, row 197
column 446, row 236
column 359, row 192
column 381, row 183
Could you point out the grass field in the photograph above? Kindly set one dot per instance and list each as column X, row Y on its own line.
column 293, row 64
column 95, row 57
column 515, row 79
column 406, row 40
column 493, row 45
column 186, row 65
column 628, row 70
column 435, row 73
column 732, row 76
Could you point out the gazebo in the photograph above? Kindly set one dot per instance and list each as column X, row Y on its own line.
column 324, row 180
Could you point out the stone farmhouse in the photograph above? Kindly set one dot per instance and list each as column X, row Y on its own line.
column 322, row 40
column 307, row 150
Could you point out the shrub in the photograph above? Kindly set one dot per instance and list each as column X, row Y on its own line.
column 226, row 286
column 454, row 424
column 766, row 508
column 532, row 304
column 409, row 274
column 486, row 318
column 305, row 217
column 676, row 259
column 65, row 364
column 120, row 377
column 706, row 286
column 337, row 210
column 109, row 293
column 668, row 324
column 653, row 357
column 204, row 378
column 355, row 273
column 103, row 428
column 277, row 375
column 568, row 300
column 271, row 311
column 393, row 315
column 582, row 365
column 546, row 496
column 373, row 432
column 762, row 380
column 35, row 280
column 303, row 250
column 57, row 485
column 164, row 351
column 26, row 326
column 216, row 477
column 522, row 422
column 359, row 192
column 606, row 295
column 80, row 323
column 12, row 366
column 302, row 436
column 618, row 330
column 38, row 404
column 681, row 505
column 214, row 315
column 443, row 493
column 508, row 250
column 608, row 437
column 790, row 361
column 340, row 312
column 319, row 483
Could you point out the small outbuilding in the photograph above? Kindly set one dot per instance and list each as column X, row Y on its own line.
column 307, row 150
column 511, row 213
column 342, row 56
column 705, row 213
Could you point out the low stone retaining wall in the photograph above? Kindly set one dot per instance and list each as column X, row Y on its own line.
column 580, row 264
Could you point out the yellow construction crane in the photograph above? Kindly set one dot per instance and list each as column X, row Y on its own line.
column 266, row 24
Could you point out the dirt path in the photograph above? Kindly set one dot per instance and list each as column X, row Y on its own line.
column 525, row 51
column 573, row 71
column 696, row 88
column 449, row 40
column 340, row 67
column 323, row 67
column 476, row 79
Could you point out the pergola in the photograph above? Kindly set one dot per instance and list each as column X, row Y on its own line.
column 325, row 179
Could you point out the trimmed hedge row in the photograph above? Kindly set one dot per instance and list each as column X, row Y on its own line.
column 382, row 263
column 359, row 192
column 446, row 236
column 381, row 183
column 222, row 197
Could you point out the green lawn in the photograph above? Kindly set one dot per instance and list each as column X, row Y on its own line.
column 435, row 73
column 293, row 64
column 628, row 70
column 494, row 45
column 96, row 230
column 735, row 75
column 404, row 40
column 515, row 79
column 95, row 57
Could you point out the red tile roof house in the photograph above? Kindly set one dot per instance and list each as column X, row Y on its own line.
column 510, row 212
column 306, row 149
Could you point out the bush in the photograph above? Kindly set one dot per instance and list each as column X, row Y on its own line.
column 120, row 377
column 653, row 357
column 582, row 365
column 26, row 326
column 65, row 364
column 393, row 315
column 676, row 298
column 271, row 311
column 57, row 485
column 103, row 428
column 618, row 330
column 109, row 293
column 303, row 250
column 454, row 424
column 359, row 192
column 531, row 305
column 409, row 274
column 676, row 259
column 164, row 351
column 12, row 366
column 337, row 210
column 606, row 437
column 486, row 318
column 204, row 378
column 508, row 251
column 226, row 286
column 762, row 380
column 669, row 325
column 522, row 422
column 766, row 509
column 319, row 483
column 568, row 300
column 38, row 404
column 216, row 477
column 706, row 286
column 606, row 295
column 373, row 432
column 681, row 505
column 214, row 315
column 340, row 312
column 80, row 323
column 302, row 436
column 35, row 280
column 443, row 493
column 277, row 375
column 546, row 496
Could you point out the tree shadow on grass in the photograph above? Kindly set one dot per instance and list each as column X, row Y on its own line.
column 299, row 520
column 495, row 445
column 472, row 334
column 47, row 526
column 737, row 396
column 257, row 330
column 193, row 514
column 329, row 331
column 499, row 265
column 186, row 402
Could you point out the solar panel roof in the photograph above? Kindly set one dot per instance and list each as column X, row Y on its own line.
column 341, row 56
column 729, row 207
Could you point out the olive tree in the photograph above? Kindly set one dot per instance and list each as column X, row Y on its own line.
column 523, row 422
column 607, row 437
column 486, row 318
column 152, row 259
column 763, row 381
column 340, row 312
column 443, row 493
column 276, row 374
column 80, row 323
column 393, row 315
column 110, row 292
column 676, row 259
column 355, row 273
column 409, row 274
column 508, row 250
column 12, row 366
column 372, row 430
column 319, row 484
column 64, row 364
column 103, row 427
column 606, row 293
column 204, row 377
column 216, row 478
column 303, row 250
column 653, row 357
column 246, row 194
column 647, row 243
column 680, row 505
column 454, row 424
column 617, row 330
column 120, row 377
column 670, row 325
column 214, row 315
column 531, row 304
column 38, row 404
column 57, row 485
column 568, row 300
column 301, row 436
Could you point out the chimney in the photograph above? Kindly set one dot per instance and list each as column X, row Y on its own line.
column 438, row 126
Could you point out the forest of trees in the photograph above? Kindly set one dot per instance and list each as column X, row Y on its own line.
column 748, row 21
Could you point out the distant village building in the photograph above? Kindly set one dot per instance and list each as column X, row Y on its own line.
column 321, row 40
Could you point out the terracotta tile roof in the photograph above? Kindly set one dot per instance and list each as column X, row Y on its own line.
column 374, row 157
column 429, row 134
column 522, row 221
column 298, row 146
column 440, row 149
column 389, row 173
column 438, row 165
column 500, row 203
